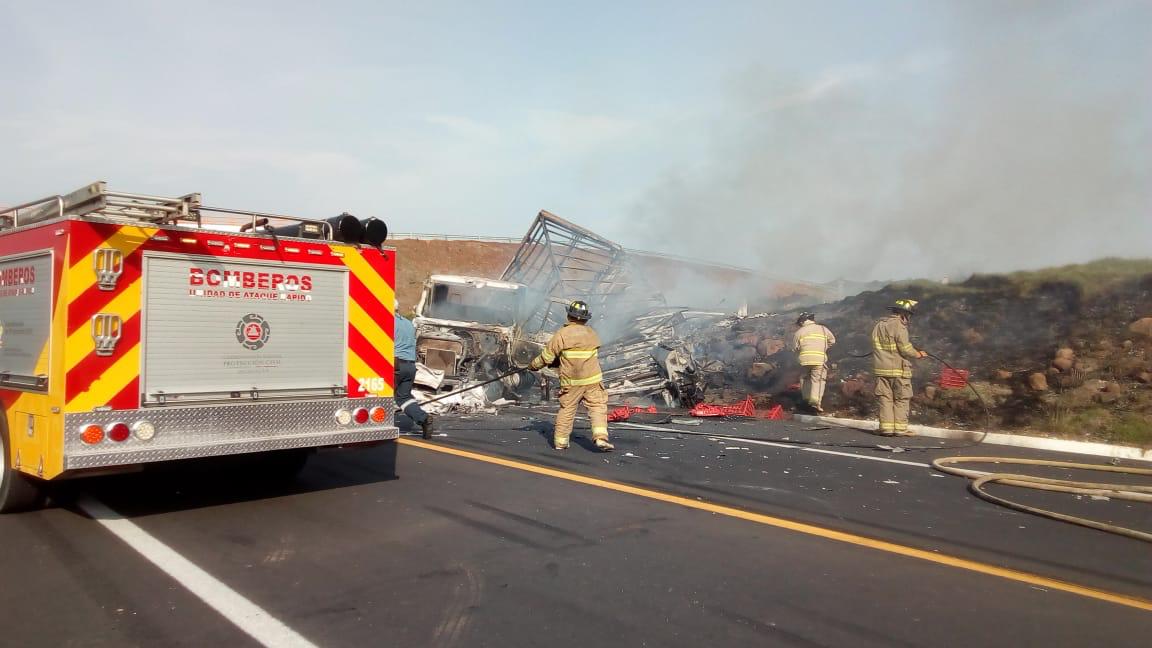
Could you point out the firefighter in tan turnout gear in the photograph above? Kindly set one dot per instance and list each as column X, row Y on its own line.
column 575, row 347
column 811, row 342
column 891, row 355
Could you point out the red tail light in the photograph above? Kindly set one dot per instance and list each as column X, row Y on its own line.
column 360, row 416
column 119, row 432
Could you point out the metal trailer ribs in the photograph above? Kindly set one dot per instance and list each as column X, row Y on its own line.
column 643, row 355
column 564, row 261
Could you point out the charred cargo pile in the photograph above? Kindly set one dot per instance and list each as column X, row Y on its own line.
column 1066, row 351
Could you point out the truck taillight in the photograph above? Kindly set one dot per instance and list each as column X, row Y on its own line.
column 379, row 415
column 118, row 432
column 144, row 430
column 343, row 416
column 360, row 416
column 92, row 434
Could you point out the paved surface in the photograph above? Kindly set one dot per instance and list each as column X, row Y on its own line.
column 410, row 546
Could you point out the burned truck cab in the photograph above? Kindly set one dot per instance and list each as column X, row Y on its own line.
column 467, row 327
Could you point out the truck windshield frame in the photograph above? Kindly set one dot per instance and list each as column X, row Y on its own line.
column 471, row 303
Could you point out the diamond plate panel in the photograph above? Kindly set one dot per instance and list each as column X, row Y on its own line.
column 187, row 432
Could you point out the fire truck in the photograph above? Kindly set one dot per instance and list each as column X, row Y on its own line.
column 137, row 329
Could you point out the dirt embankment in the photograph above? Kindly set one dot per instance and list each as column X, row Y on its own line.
column 699, row 285
column 416, row 259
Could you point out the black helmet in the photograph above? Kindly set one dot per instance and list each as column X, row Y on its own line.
column 804, row 317
column 578, row 310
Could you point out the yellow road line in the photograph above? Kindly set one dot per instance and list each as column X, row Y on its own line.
column 800, row 527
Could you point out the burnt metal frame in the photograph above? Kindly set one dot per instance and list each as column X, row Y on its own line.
column 556, row 257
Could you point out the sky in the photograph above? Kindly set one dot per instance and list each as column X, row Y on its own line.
column 808, row 140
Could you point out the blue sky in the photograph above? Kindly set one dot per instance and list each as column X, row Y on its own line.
column 810, row 139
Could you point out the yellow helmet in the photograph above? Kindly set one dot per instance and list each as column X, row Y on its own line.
column 906, row 306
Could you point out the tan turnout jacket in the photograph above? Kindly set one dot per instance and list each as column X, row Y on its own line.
column 891, row 348
column 576, row 345
column 811, row 342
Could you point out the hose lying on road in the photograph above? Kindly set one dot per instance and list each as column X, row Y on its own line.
column 1115, row 491
column 980, row 478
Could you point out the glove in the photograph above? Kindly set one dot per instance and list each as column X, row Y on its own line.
column 923, row 354
column 534, row 365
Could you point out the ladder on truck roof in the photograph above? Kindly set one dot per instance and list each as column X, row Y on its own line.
column 97, row 200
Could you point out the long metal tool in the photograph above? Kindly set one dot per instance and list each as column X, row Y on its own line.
column 471, row 387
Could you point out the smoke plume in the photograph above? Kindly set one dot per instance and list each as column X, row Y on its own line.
column 1024, row 141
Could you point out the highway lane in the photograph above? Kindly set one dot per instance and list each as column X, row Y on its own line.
column 439, row 550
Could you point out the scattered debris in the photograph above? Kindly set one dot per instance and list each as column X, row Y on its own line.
column 894, row 449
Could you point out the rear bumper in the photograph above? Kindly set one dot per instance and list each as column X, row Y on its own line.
column 190, row 432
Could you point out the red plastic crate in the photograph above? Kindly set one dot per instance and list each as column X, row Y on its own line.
column 743, row 408
column 953, row 378
column 624, row 413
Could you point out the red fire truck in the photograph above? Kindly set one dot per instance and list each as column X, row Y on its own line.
column 138, row 329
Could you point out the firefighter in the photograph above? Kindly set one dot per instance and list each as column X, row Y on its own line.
column 405, row 343
column 810, row 342
column 574, row 347
column 891, row 355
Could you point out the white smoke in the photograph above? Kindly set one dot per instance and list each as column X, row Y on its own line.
column 1025, row 141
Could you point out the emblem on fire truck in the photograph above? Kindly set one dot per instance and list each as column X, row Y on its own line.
column 252, row 331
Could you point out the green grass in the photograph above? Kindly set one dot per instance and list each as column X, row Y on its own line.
column 1131, row 429
column 1090, row 277
column 1101, row 424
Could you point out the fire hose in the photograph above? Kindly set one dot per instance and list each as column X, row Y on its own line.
column 979, row 478
column 1117, row 491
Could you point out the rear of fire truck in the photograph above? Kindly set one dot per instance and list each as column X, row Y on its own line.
column 138, row 329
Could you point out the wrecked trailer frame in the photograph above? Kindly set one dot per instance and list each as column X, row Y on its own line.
column 474, row 328
column 644, row 356
column 564, row 261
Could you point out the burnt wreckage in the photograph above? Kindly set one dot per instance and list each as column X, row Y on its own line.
column 475, row 328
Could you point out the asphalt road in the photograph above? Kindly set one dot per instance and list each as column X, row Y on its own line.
column 413, row 546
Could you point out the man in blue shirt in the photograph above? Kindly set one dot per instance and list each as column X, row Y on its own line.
column 405, row 342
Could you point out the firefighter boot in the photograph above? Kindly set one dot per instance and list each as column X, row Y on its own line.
column 603, row 446
column 426, row 426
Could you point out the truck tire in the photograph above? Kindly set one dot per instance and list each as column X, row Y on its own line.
column 18, row 492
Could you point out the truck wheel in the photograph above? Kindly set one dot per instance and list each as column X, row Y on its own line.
column 18, row 492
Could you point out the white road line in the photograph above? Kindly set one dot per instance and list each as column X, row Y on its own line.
column 244, row 614
column 667, row 429
column 671, row 430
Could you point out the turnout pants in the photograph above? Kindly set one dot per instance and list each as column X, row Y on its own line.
column 895, row 395
column 595, row 399
column 812, row 383
column 405, row 376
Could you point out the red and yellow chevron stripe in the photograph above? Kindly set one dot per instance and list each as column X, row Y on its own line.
column 113, row 381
